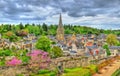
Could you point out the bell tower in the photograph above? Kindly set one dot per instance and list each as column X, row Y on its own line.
column 60, row 30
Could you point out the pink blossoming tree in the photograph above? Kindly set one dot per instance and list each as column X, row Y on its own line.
column 39, row 60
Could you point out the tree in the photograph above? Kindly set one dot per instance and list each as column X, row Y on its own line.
column 38, row 60
column 37, row 30
column 9, row 33
column 52, row 30
column 43, row 43
column 56, row 52
column 15, row 29
column 23, row 32
column 45, row 28
column 107, row 49
column 112, row 39
column 21, row 26
column 26, row 25
column 68, row 31
column 11, row 36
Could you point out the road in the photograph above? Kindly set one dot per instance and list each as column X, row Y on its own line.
column 109, row 70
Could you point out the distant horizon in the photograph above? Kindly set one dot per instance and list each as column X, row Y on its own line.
column 104, row 27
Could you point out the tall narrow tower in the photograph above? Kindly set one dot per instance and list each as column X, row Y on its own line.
column 60, row 30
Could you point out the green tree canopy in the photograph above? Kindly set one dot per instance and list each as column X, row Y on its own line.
column 56, row 52
column 112, row 39
column 45, row 27
column 107, row 49
column 43, row 43
column 21, row 26
column 38, row 29
column 11, row 36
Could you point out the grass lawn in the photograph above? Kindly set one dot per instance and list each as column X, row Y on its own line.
column 77, row 72
column 86, row 71
column 44, row 73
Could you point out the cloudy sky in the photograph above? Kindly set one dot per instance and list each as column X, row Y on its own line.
column 93, row 13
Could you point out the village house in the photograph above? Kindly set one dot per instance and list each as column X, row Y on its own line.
column 115, row 50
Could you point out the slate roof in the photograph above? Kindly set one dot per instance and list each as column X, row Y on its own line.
column 114, row 47
column 92, row 47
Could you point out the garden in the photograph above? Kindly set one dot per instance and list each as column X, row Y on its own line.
column 33, row 61
column 36, row 63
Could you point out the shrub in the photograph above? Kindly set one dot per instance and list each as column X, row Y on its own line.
column 25, row 59
column 14, row 62
column 10, row 35
column 52, row 74
column 5, row 52
column 19, row 75
column 56, row 52
column 2, row 63
column 93, row 68
column 22, row 55
column 43, row 71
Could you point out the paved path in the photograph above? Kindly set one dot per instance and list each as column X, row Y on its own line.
column 110, row 69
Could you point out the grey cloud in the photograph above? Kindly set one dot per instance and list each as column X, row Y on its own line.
column 106, row 3
column 74, row 8
column 89, row 7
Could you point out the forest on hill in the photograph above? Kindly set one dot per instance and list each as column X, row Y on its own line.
column 37, row 29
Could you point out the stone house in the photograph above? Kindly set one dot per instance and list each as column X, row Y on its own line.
column 115, row 50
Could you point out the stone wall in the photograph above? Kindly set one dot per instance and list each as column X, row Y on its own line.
column 74, row 61
column 70, row 62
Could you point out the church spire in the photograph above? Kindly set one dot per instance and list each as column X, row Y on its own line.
column 60, row 21
column 60, row 30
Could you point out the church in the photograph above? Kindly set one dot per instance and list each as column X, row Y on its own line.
column 66, row 42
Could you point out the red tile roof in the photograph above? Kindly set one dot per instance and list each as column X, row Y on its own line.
column 89, row 44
